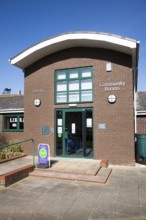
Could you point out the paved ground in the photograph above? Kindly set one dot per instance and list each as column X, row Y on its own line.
column 122, row 197
column 15, row 164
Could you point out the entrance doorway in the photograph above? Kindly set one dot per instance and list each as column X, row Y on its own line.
column 74, row 132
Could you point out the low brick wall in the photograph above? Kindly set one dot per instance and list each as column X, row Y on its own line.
column 15, row 175
column 104, row 163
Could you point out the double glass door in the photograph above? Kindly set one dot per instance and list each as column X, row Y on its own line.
column 74, row 133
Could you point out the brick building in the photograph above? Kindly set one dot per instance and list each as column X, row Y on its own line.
column 80, row 95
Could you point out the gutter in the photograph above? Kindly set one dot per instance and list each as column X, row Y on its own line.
column 142, row 112
column 135, row 82
column 20, row 110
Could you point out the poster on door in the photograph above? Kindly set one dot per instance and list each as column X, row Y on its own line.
column 89, row 123
column 73, row 128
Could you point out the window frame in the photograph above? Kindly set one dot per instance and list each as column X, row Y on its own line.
column 13, row 115
column 68, row 80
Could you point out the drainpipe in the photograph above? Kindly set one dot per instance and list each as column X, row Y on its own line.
column 135, row 79
column 135, row 102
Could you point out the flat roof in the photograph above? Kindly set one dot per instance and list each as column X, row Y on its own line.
column 76, row 39
column 11, row 103
column 141, row 101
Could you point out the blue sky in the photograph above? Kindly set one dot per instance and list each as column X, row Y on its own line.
column 27, row 22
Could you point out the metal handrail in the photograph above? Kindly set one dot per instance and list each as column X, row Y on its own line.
column 33, row 147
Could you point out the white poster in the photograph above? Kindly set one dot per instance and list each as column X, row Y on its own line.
column 73, row 128
column 89, row 122
column 59, row 123
column 59, row 130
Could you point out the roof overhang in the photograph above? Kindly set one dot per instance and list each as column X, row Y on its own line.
column 76, row 39
column 142, row 112
column 21, row 110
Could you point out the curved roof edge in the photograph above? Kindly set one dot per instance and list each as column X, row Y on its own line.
column 76, row 39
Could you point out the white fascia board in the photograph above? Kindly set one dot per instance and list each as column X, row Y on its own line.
column 125, row 42
column 21, row 110
column 142, row 112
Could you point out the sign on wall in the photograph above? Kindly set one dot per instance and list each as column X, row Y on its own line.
column 45, row 130
column 108, row 86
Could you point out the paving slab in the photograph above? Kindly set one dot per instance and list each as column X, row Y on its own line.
column 76, row 165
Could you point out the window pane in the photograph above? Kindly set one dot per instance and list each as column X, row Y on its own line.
column 73, row 74
column 61, row 97
column 86, row 96
column 10, row 122
column 74, row 85
column 61, row 75
column 86, row 84
column 21, row 122
column 74, row 97
column 86, row 72
column 61, row 86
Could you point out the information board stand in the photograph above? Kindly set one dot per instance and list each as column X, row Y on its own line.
column 43, row 156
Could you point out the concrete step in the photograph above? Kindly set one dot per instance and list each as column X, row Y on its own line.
column 101, row 176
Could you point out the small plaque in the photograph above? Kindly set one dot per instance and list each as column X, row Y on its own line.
column 102, row 126
column 45, row 130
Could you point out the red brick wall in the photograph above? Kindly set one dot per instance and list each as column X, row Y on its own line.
column 116, row 142
column 141, row 124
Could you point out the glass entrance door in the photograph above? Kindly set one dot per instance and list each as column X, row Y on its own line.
column 74, row 133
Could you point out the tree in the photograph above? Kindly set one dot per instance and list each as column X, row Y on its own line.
column 7, row 91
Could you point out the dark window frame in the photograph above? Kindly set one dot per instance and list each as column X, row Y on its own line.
column 16, row 123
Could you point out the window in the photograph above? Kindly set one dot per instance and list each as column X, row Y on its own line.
column 13, row 122
column 74, row 85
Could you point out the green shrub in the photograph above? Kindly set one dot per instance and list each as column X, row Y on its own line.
column 11, row 151
column 15, row 147
column 10, row 155
column 2, row 155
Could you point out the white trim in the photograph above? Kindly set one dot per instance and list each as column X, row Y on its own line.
column 72, row 39
column 21, row 110
column 142, row 112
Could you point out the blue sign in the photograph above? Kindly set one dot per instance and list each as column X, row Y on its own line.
column 44, row 154
column 45, row 130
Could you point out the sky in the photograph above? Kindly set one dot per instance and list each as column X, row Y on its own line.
column 24, row 23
